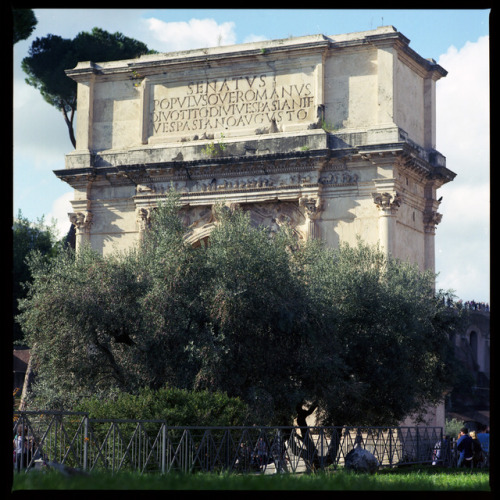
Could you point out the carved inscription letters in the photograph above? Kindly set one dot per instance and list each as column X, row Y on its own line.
column 252, row 101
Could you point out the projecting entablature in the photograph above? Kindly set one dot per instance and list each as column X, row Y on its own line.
column 334, row 134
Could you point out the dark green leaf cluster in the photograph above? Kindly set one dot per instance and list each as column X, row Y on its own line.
column 50, row 56
column 23, row 24
column 177, row 407
column 256, row 314
column 28, row 237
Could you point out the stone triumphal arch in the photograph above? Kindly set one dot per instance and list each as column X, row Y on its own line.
column 334, row 134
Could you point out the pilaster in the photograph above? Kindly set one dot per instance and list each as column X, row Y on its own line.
column 143, row 218
column 82, row 222
column 312, row 208
column 82, row 216
column 84, row 74
column 388, row 205
column 431, row 220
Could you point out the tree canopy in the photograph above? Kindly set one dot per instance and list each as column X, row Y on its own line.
column 23, row 24
column 28, row 236
column 287, row 326
column 50, row 56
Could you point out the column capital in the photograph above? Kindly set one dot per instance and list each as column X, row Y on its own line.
column 431, row 220
column 312, row 206
column 143, row 217
column 81, row 220
column 387, row 202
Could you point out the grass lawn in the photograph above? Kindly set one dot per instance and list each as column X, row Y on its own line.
column 423, row 479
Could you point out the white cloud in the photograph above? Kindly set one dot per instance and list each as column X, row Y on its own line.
column 60, row 209
column 462, row 205
column 463, row 110
column 193, row 34
column 463, row 135
column 40, row 134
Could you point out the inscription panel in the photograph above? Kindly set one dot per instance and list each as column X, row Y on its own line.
column 254, row 103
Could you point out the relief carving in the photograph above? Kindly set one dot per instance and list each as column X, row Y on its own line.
column 432, row 219
column 81, row 220
column 271, row 215
column 387, row 202
column 312, row 206
column 339, row 178
column 229, row 182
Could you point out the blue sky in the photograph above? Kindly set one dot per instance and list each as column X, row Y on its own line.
column 456, row 39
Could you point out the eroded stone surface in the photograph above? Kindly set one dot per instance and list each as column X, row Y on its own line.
column 335, row 134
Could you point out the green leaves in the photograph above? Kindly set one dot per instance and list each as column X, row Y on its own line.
column 50, row 56
column 255, row 315
column 178, row 407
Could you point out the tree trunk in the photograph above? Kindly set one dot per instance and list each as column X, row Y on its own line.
column 311, row 457
column 27, row 377
column 69, row 124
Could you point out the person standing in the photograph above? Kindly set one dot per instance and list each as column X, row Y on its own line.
column 484, row 438
column 464, row 446
column 442, row 452
column 19, row 448
column 477, row 451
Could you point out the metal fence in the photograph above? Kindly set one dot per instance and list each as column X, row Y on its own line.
column 77, row 441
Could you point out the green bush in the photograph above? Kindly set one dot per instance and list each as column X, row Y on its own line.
column 177, row 407
column 452, row 427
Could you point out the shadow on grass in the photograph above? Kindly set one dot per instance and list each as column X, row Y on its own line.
column 423, row 479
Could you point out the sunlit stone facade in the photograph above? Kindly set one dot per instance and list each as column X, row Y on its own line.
column 333, row 134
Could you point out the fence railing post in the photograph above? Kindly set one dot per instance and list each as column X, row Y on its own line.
column 184, row 453
column 85, row 441
column 418, row 444
column 163, row 448
column 390, row 447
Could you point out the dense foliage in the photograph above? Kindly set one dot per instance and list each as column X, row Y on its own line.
column 288, row 327
column 23, row 24
column 27, row 237
column 177, row 407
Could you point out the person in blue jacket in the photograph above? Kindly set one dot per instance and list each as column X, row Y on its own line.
column 464, row 446
column 484, row 438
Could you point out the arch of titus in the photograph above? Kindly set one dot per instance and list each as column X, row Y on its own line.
column 335, row 134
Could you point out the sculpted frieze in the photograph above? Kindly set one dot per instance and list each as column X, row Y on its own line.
column 341, row 177
column 218, row 184
column 200, row 221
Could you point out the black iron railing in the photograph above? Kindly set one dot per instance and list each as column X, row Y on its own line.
column 73, row 439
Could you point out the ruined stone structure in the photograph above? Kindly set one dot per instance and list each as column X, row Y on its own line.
column 334, row 134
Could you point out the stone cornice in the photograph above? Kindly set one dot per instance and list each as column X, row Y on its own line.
column 156, row 63
column 198, row 170
column 406, row 155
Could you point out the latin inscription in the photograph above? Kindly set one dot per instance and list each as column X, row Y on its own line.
column 256, row 101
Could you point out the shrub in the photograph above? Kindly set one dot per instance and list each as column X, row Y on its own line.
column 452, row 427
column 178, row 407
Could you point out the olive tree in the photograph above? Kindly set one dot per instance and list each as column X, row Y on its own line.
column 290, row 327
